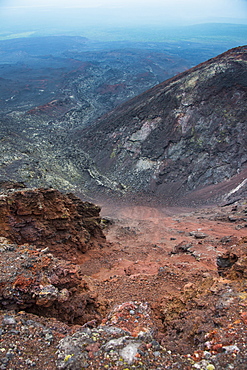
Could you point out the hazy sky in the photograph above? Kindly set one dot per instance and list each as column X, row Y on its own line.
column 220, row 7
column 28, row 15
column 224, row 6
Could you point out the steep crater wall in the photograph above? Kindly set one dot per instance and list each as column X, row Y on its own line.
column 184, row 134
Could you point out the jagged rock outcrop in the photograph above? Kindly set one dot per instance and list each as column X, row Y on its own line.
column 36, row 281
column 182, row 135
column 127, row 333
column 49, row 219
column 233, row 263
column 36, row 227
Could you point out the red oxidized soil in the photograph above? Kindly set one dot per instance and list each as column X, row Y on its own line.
column 188, row 265
column 143, row 239
column 141, row 263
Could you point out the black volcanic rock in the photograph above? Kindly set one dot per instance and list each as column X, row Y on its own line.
column 179, row 137
column 184, row 134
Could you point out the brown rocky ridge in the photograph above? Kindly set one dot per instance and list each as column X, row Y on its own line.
column 48, row 218
column 153, row 288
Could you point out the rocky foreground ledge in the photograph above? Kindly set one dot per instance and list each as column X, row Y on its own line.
column 53, row 317
column 50, row 219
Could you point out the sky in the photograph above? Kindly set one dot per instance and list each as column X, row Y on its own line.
column 71, row 15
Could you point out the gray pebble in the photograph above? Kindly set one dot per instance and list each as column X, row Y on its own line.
column 5, row 360
column 8, row 320
column 9, row 354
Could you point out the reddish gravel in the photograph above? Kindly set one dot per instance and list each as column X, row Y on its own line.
column 180, row 274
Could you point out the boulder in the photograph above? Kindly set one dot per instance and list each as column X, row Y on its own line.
column 47, row 218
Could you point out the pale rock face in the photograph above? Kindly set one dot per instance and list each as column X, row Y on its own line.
column 145, row 130
column 145, row 164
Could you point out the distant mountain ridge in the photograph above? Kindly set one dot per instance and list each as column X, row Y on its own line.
column 182, row 135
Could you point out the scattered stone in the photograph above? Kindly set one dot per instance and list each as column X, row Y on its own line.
column 233, row 218
column 182, row 247
column 135, row 323
column 129, row 352
column 8, row 320
column 198, row 234
column 225, row 262
column 231, row 349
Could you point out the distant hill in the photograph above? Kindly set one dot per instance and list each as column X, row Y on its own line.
column 95, row 76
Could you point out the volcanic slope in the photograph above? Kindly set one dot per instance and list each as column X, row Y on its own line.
column 185, row 135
